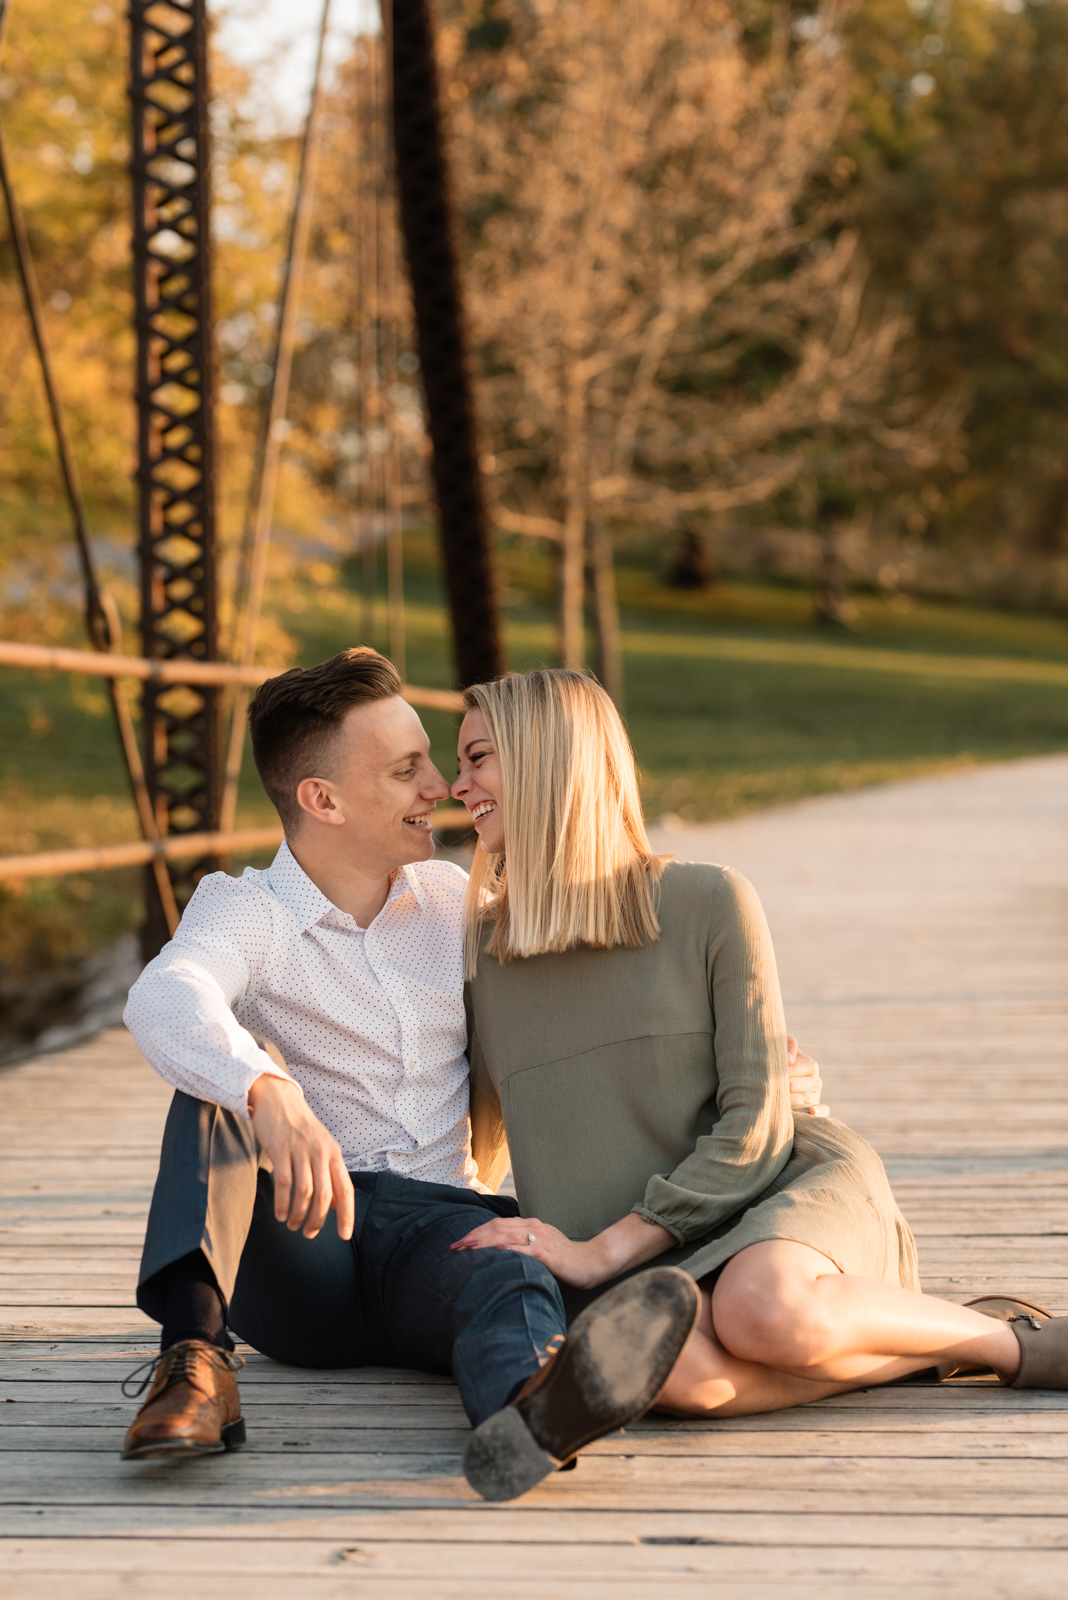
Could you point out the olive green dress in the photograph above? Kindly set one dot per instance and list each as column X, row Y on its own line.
column 655, row 1080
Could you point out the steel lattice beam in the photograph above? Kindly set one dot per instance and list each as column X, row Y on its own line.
column 172, row 284
column 423, row 191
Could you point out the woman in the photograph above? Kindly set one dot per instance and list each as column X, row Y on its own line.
column 628, row 1048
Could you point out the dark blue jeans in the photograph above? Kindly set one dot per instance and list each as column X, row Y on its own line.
column 395, row 1295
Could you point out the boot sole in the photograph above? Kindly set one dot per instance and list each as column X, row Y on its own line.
column 502, row 1459
column 616, row 1360
column 231, row 1438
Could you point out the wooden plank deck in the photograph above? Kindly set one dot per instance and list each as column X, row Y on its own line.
column 921, row 936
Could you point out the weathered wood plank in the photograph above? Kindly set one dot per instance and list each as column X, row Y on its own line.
column 71, row 1319
column 379, row 1430
column 324, row 1561
column 287, row 1385
column 689, row 1579
column 797, row 1432
column 466, row 1524
column 908, row 1486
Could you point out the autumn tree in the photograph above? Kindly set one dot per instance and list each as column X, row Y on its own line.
column 961, row 196
column 667, row 304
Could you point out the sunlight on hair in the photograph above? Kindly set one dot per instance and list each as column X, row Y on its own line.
column 578, row 868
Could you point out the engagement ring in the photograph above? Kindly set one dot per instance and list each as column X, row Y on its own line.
column 530, row 1238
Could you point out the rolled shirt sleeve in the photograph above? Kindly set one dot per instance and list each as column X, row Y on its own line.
column 752, row 1138
column 181, row 1009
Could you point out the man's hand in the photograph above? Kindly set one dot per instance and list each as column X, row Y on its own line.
column 309, row 1170
column 806, row 1086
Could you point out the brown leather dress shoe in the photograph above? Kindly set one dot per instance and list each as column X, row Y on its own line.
column 192, row 1407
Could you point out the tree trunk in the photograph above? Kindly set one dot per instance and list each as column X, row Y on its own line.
column 573, row 535
column 833, row 609
column 1047, row 534
column 606, row 611
column 692, row 566
column 572, row 556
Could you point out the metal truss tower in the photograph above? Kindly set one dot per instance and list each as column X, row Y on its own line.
column 172, row 284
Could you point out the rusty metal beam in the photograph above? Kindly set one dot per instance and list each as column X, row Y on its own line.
column 101, row 613
column 172, row 288
column 426, row 214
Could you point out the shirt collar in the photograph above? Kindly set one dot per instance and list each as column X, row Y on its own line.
column 295, row 889
column 309, row 904
column 406, row 881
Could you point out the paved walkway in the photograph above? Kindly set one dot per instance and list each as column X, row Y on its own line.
column 921, row 937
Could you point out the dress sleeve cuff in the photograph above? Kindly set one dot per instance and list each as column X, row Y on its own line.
column 659, row 1222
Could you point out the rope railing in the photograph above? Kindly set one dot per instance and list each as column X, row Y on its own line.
column 174, row 847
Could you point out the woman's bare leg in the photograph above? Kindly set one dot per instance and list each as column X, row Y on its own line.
column 707, row 1381
column 786, row 1306
column 783, row 1326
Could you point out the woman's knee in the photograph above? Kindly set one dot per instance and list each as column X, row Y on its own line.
column 770, row 1318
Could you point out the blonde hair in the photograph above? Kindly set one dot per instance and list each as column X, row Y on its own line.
column 578, row 869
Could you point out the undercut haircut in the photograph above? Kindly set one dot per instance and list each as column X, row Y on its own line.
column 294, row 720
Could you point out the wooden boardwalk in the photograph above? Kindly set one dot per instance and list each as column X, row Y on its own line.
column 921, row 935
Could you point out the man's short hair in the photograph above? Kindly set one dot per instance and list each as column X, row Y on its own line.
column 294, row 719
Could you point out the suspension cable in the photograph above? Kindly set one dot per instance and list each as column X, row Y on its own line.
column 254, row 553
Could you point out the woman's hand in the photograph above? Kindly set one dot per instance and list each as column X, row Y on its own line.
column 580, row 1263
column 806, row 1086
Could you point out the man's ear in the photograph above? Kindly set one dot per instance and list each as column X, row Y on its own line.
column 316, row 797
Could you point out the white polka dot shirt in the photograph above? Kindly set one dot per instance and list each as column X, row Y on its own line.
column 370, row 1021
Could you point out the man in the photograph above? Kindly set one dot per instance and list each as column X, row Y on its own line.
column 345, row 954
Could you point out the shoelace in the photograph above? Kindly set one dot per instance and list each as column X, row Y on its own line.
column 180, row 1359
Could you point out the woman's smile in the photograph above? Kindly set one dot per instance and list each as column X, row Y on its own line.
column 479, row 785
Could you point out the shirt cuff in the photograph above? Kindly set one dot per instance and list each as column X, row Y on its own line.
column 267, row 1069
column 659, row 1221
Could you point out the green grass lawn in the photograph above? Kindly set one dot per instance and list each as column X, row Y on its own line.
column 733, row 699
